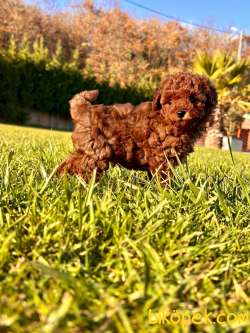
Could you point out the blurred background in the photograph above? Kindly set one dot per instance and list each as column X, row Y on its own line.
column 52, row 49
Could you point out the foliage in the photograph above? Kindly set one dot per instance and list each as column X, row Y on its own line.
column 85, row 46
column 232, row 80
column 32, row 79
column 98, row 257
column 118, row 48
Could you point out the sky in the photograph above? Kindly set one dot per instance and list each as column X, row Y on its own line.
column 221, row 14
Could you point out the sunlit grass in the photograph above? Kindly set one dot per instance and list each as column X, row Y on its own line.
column 97, row 258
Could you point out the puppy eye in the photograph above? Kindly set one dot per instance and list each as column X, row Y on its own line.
column 169, row 102
column 192, row 99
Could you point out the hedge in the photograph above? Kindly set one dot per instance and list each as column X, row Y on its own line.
column 31, row 79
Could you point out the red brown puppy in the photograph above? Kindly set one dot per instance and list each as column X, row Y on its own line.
column 144, row 137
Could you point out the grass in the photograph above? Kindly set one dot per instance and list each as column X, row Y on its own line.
column 124, row 253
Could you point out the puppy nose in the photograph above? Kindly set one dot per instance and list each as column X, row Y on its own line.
column 181, row 114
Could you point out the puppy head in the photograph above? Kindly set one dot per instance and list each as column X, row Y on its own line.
column 185, row 99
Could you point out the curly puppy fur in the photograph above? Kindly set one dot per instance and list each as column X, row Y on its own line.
column 144, row 137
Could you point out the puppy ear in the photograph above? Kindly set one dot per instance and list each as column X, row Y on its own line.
column 157, row 100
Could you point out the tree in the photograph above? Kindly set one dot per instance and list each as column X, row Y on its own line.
column 231, row 79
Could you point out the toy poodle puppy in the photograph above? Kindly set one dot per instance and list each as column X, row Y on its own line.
column 149, row 136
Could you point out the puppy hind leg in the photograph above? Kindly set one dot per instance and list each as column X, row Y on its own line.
column 71, row 165
column 82, row 165
column 90, row 164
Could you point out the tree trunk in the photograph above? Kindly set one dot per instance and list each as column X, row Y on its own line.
column 214, row 134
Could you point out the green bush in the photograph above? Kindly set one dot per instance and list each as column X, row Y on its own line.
column 31, row 79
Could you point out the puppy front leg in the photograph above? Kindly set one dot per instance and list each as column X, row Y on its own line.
column 161, row 172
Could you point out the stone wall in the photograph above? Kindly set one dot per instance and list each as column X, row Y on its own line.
column 49, row 121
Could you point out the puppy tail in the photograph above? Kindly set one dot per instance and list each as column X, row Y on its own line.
column 90, row 95
column 81, row 101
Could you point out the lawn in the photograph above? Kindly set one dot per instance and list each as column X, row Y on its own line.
column 122, row 255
